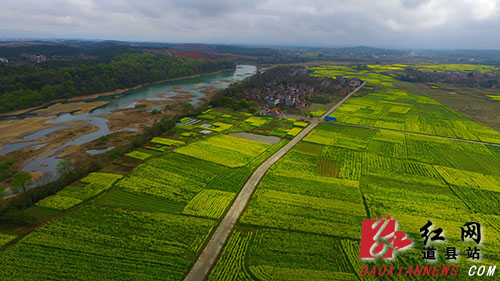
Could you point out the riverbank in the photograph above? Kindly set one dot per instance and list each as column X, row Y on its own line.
column 117, row 92
column 38, row 141
column 73, row 108
column 67, row 130
column 142, row 116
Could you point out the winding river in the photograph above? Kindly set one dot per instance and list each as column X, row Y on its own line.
column 48, row 162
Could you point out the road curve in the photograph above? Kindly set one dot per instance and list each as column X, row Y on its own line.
column 206, row 260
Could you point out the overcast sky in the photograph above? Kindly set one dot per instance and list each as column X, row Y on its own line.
column 451, row 24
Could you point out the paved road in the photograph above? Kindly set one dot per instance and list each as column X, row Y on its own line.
column 420, row 134
column 212, row 250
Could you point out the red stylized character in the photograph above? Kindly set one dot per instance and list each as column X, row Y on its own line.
column 379, row 238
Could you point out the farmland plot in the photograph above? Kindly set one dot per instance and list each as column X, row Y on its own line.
column 138, row 155
column 481, row 201
column 279, row 255
column 5, row 238
column 95, row 243
column 232, row 264
column 58, row 202
column 167, row 142
column 121, row 198
column 469, row 179
column 150, row 226
column 341, row 136
column 225, row 150
column 231, row 179
column 209, row 203
column 162, row 183
column 304, row 213
column 396, row 110
column 174, row 176
column 325, row 190
column 73, row 195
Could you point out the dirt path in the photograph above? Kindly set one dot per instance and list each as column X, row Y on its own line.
column 206, row 260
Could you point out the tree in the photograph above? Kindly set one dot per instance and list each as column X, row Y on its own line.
column 253, row 109
column 21, row 179
column 23, row 86
column 243, row 103
column 63, row 167
column 187, row 108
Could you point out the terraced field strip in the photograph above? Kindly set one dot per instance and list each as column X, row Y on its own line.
column 208, row 257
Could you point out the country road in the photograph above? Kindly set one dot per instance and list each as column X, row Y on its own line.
column 206, row 260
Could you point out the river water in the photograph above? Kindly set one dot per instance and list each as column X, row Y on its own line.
column 48, row 162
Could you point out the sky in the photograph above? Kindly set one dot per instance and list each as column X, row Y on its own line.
column 438, row 24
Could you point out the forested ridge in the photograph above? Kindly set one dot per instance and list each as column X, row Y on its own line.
column 25, row 86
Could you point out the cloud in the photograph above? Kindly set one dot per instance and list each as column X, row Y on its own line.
column 412, row 4
column 385, row 23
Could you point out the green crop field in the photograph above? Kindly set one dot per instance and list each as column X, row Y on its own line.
column 374, row 78
column 96, row 243
column 149, row 224
column 209, row 203
column 318, row 113
column 225, row 150
column 138, row 155
column 392, row 152
column 71, row 196
column 305, row 217
column 402, row 111
column 257, row 121
column 399, row 110
column 58, row 202
column 165, row 141
column 5, row 238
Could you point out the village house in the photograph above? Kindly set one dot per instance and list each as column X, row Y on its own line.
column 345, row 91
column 355, row 82
column 291, row 89
column 37, row 59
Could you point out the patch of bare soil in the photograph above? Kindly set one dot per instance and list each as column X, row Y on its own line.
column 78, row 153
column 14, row 130
column 73, row 107
column 57, row 139
column 209, row 93
column 182, row 95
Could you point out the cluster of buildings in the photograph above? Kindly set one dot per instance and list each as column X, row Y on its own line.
column 30, row 58
column 37, row 58
column 471, row 79
column 294, row 88
column 478, row 79
column 269, row 112
column 297, row 96
column 276, row 94
column 345, row 85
